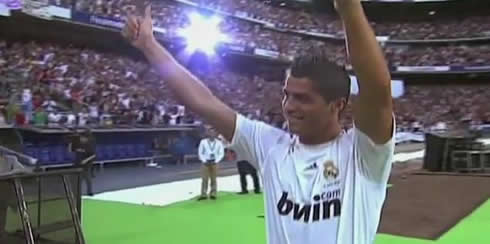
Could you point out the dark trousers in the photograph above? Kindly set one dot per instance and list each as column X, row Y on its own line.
column 7, row 199
column 244, row 169
column 3, row 218
column 87, row 174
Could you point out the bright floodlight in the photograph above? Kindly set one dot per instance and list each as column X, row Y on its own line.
column 203, row 34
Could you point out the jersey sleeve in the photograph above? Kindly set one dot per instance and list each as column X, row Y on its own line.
column 374, row 160
column 252, row 139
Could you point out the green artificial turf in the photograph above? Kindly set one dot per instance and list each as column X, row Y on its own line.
column 231, row 219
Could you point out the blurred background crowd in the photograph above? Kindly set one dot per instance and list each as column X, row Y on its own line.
column 171, row 16
column 44, row 84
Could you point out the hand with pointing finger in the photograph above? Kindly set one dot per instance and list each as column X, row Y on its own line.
column 138, row 30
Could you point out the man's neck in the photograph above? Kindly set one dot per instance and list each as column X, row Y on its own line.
column 321, row 138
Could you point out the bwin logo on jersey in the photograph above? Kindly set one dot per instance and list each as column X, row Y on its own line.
column 330, row 171
column 325, row 206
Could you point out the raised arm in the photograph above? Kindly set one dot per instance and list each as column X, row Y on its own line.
column 373, row 110
column 188, row 89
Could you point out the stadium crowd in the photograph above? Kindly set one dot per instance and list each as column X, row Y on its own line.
column 44, row 84
column 99, row 88
column 173, row 16
column 322, row 23
column 56, row 85
column 289, row 19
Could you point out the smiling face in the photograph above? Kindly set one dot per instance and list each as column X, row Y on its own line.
column 315, row 93
column 307, row 112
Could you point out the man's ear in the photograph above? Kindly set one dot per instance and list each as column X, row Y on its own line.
column 341, row 104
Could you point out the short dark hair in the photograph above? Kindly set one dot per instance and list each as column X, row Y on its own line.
column 331, row 80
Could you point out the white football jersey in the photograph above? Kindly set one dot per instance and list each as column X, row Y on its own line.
column 330, row 193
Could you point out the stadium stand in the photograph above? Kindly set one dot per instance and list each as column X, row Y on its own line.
column 58, row 86
column 110, row 90
column 283, row 18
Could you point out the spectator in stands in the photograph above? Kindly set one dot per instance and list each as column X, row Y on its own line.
column 174, row 116
column 180, row 113
column 12, row 110
column 54, row 118
column 144, row 116
column 4, row 88
column 71, row 120
column 49, row 104
column 62, row 3
column 210, row 151
column 106, row 119
column 37, row 100
column 27, row 105
column 3, row 120
column 161, row 111
column 155, row 116
column 40, row 117
column 93, row 112
column 20, row 118
column 83, row 117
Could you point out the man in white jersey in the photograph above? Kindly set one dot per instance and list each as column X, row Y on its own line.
column 322, row 185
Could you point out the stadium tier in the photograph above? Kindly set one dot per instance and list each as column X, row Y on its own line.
column 76, row 93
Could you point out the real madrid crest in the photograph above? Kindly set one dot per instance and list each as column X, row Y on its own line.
column 330, row 171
